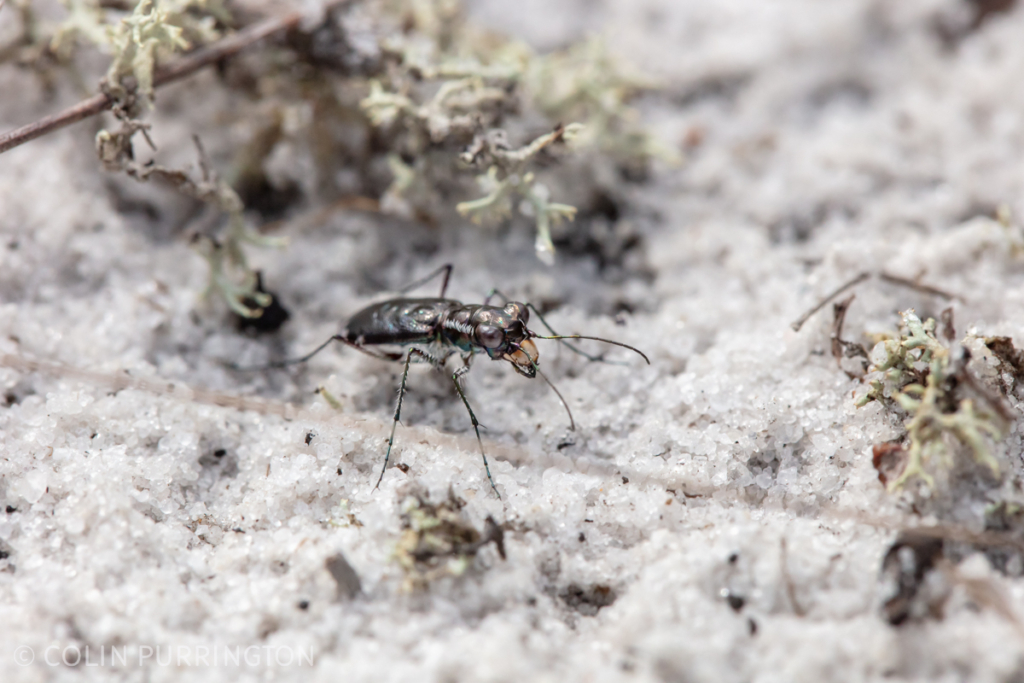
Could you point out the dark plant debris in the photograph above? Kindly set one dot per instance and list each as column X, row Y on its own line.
column 271, row 316
column 889, row 460
column 908, row 561
column 1011, row 362
column 845, row 349
column 588, row 600
column 437, row 540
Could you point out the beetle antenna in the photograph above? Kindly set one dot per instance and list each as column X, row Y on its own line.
column 600, row 339
column 574, row 349
column 572, row 422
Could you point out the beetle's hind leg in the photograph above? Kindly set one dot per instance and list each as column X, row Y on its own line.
column 446, row 269
column 382, row 355
column 398, row 414
column 401, row 394
column 373, row 353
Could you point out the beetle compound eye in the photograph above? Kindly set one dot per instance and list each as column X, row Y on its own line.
column 490, row 337
column 518, row 311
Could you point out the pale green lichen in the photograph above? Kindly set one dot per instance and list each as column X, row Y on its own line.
column 135, row 43
column 452, row 107
column 585, row 83
column 452, row 82
column 916, row 345
column 384, row 108
column 230, row 274
column 86, row 20
column 928, row 425
column 506, row 178
column 329, row 398
column 341, row 516
column 152, row 29
column 137, row 39
column 933, row 411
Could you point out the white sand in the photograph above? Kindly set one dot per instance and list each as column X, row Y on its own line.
column 835, row 138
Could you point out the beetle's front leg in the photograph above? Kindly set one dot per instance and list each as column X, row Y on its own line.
column 456, row 376
column 460, row 372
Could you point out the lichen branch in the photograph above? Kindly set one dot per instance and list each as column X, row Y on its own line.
column 506, row 176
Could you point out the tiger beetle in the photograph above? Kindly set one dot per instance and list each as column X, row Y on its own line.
column 434, row 329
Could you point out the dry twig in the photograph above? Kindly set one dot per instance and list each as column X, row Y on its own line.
column 914, row 284
column 840, row 347
column 885, row 277
column 802, row 319
column 176, row 70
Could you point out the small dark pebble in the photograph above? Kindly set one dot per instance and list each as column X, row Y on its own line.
column 736, row 601
column 344, row 575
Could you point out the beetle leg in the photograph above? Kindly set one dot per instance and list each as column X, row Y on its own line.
column 398, row 413
column 382, row 355
column 493, row 293
column 476, row 424
column 446, row 269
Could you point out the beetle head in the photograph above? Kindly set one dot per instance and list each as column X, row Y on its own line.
column 502, row 332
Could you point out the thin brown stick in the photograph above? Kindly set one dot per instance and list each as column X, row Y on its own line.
column 787, row 580
column 222, row 49
column 840, row 347
column 947, row 532
column 83, row 110
column 374, row 426
column 885, row 277
column 370, row 425
column 796, row 325
column 156, row 386
column 176, row 70
column 838, row 318
column 913, row 284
